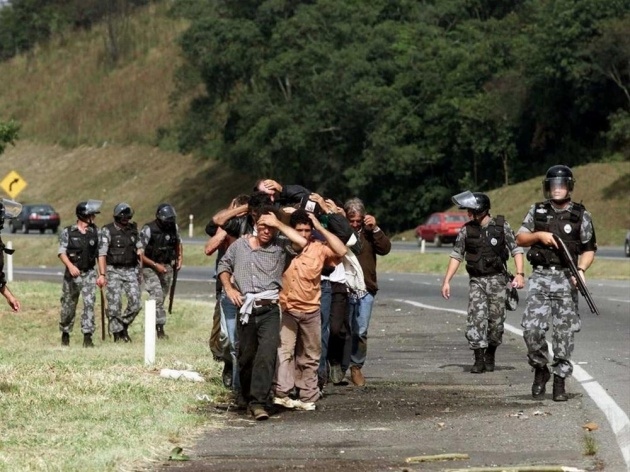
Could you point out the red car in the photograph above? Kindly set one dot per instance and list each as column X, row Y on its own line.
column 441, row 227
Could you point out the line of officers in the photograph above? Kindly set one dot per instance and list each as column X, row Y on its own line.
column 117, row 259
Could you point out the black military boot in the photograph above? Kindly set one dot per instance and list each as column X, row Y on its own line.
column 124, row 336
column 559, row 395
column 480, row 365
column 87, row 340
column 65, row 339
column 118, row 336
column 489, row 359
column 160, row 332
column 541, row 377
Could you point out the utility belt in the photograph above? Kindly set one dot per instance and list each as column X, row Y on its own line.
column 557, row 268
column 123, row 266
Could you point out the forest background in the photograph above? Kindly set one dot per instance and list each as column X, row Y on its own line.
column 404, row 103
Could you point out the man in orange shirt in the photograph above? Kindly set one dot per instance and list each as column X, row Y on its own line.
column 300, row 332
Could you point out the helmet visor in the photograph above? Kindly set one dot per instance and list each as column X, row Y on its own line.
column 465, row 201
column 11, row 208
column 557, row 188
column 93, row 207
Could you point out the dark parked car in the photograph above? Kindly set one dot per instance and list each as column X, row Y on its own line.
column 626, row 246
column 441, row 227
column 39, row 216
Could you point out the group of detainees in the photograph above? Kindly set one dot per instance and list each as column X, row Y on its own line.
column 296, row 284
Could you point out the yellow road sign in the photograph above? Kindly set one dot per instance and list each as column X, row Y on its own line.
column 13, row 184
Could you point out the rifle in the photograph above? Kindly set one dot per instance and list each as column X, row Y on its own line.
column 102, row 315
column 171, row 294
column 564, row 251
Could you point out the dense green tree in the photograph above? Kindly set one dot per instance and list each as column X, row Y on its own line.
column 404, row 102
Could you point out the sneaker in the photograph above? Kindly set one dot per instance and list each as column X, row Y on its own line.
column 259, row 413
column 65, row 339
column 285, row 402
column 305, row 406
column 336, row 374
column 356, row 376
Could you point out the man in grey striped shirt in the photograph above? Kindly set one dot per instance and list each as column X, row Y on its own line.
column 251, row 274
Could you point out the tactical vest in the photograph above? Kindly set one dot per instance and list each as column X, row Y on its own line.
column 82, row 248
column 564, row 224
column 162, row 246
column 122, row 247
column 486, row 253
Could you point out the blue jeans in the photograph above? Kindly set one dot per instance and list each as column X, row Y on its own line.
column 229, row 318
column 360, row 311
column 322, row 372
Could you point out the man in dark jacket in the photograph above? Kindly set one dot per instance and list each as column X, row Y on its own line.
column 373, row 242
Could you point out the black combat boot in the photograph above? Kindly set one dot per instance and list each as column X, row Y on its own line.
column 87, row 340
column 65, row 339
column 160, row 332
column 559, row 395
column 480, row 365
column 124, row 336
column 118, row 336
column 490, row 350
column 541, row 377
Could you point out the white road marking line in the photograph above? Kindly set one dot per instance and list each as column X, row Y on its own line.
column 616, row 417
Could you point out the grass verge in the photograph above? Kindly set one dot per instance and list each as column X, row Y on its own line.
column 98, row 409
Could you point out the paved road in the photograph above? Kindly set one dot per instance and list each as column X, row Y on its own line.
column 419, row 400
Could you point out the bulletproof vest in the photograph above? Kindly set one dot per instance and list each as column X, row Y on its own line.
column 162, row 246
column 564, row 224
column 82, row 248
column 122, row 248
column 485, row 248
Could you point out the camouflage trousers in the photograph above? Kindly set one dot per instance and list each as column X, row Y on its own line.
column 486, row 311
column 85, row 286
column 158, row 286
column 552, row 302
column 122, row 281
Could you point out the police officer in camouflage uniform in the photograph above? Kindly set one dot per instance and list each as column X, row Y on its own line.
column 552, row 300
column 163, row 251
column 486, row 244
column 78, row 250
column 8, row 209
column 119, row 256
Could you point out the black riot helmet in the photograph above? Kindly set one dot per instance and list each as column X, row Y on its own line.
column 558, row 175
column 122, row 213
column 87, row 209
column 478, row 203
column 166, row 214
